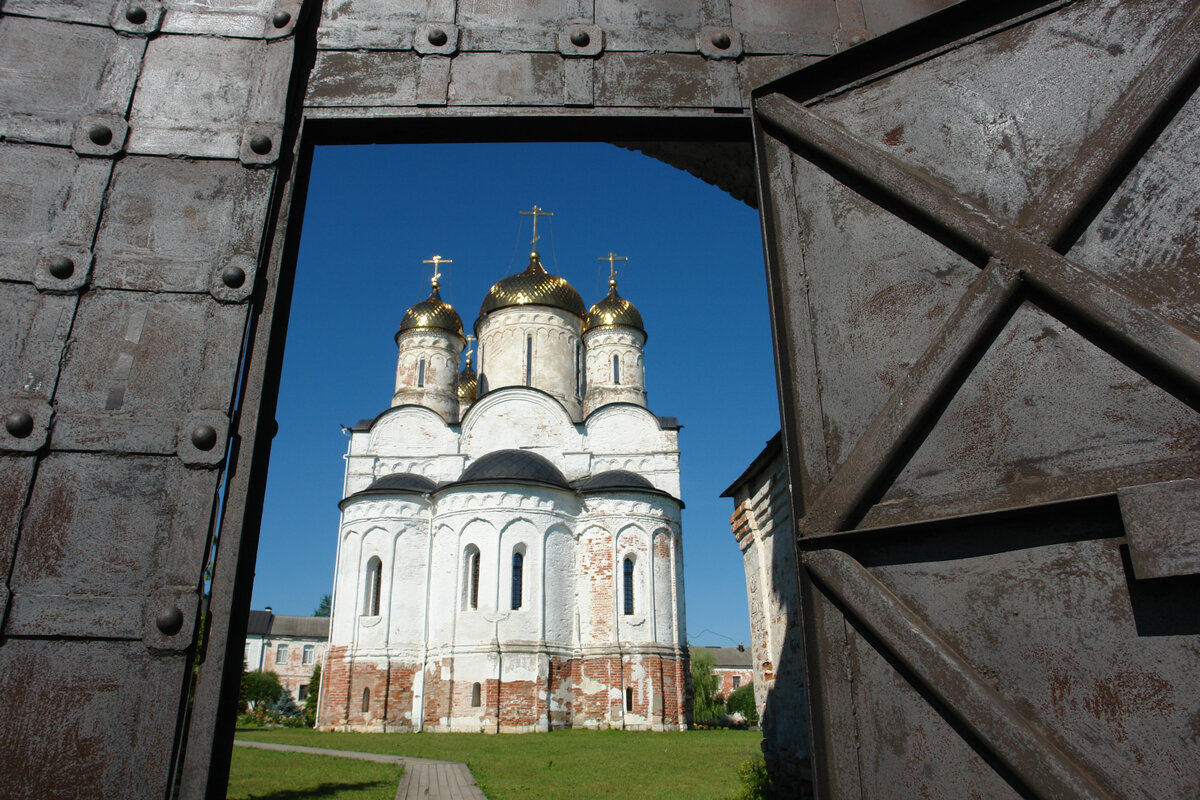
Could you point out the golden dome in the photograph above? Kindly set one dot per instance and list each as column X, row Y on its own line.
column 612, row 311
column 533, row 287
column 431, row 314
column 468, row 385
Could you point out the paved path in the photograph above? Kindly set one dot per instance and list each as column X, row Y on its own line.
column 424, row 779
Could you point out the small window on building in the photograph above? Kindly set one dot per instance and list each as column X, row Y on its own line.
column 528, row 360
column 307, row 657
column 374, row 581
column 629, row 698
column 281, row 654
column 579, row 369
column 616, row 370
column 628, row 585
column 476, row 695
column 303, row 692
column 366, row 700
column 737, row 681
column 517, row 568
column 472, row 578
column 421, row 374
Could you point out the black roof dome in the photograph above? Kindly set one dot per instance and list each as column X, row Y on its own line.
column 614, row 479
column 408, row 482
column 514, row 466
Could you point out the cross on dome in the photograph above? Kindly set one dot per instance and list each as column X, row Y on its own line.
column 437, row 262
column 612, row 259
column 535, row 213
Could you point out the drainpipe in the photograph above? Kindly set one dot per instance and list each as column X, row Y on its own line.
column 425, row 631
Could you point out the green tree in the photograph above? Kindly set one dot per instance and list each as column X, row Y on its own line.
column 284, row 705
column 742, row 699
column 310, row 702
column 260, row 687
column 707, row 704
column 323, row 608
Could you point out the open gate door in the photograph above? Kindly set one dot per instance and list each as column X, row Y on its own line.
column 982, row 251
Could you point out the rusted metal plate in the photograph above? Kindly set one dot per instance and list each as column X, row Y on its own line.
column 241, row 18
column 178, row 226
column 960, row 133
column 55, row 77
column 527, row 79
column 140, row 366
column 197, row 95
column 61, row 10
column 16, row 477
column 49, row 204
column 367, row 79
column 639, row 79
column 960, row 533
column 1162, row 525
column 113, row 706
column 378, row 24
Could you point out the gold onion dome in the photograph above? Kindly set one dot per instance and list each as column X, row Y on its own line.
column 468, row 384
column 431, row 314
column 533, row 287
column 613, row 311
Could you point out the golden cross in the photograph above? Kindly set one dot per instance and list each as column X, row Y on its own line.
column 612, row 259
column 537, row 212
column 437, row 262
column 470, row 344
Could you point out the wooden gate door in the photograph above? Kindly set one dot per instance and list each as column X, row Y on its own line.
column 982, row 247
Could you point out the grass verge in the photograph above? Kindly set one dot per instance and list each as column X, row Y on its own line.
column 266, row 775
column 564, row 765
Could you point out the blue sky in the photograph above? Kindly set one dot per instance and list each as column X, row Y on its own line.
column 695, row 272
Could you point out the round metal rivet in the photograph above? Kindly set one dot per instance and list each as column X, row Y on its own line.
column 62, row 267
column 233, row 277
column 135, row 14
column 260, row 144
column 580, row 39
column 437, row 37
column 281, row 18
column 721, row 41
column 170, row 622
column 204, row 437
column 100, row 134
column 18, row 424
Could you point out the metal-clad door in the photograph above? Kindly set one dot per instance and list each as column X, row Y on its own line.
column 982, row 249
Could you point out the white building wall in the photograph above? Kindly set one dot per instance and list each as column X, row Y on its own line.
column 625, row 384
column 427, row 371
column 506, row 337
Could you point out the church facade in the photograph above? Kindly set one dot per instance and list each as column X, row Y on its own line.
column 510, row 555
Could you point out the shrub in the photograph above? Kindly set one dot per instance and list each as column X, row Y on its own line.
column 741, row 701
column 260, row 688
column 707, row 705
column 756, row 783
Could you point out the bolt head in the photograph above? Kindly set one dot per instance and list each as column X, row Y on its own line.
column 581, row 38
column 204, row 437
column 233, row 277
column 170, row 622
column 260, row 143
column 280, row 19
column 100, row 134
column 18, row 424
column 62, row 267
column 437, row 37
column 721, row 41
column 135, row 14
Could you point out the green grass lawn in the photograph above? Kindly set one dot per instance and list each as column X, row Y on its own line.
column 264, row 775
column 563, row 765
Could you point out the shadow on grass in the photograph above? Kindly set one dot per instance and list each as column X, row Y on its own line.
column 321, row 790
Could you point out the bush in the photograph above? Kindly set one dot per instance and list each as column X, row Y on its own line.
column 260, row 688
column 707, row 705
column 756, row 783
column 741, row 701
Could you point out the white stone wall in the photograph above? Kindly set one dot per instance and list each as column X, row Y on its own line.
column 628, row 383
column 427, row 371
column 504, row 337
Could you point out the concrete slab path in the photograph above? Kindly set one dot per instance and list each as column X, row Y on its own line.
column 424, row 778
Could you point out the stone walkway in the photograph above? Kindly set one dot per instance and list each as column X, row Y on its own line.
column 424, row 779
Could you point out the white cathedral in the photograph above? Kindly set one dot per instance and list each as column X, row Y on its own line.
column 510, row 556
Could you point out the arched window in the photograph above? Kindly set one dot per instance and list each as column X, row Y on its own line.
column 529, row 360
column 518, row 567
column 373, row 583
column 472, row 578
column 580, row 372
column 476, row 696
column 629, row 585
column 616, row 370
column 421, row 374
column 366, row 701
column 629, row 698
